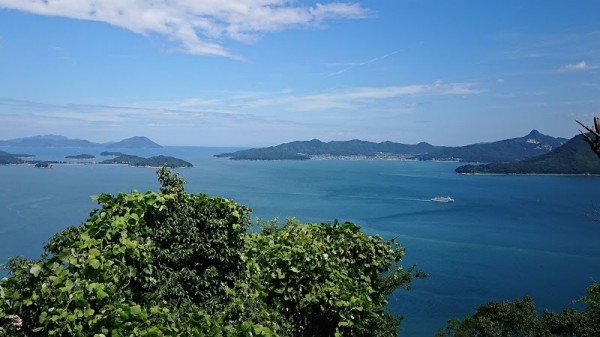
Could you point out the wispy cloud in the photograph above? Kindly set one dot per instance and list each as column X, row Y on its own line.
column 198, row 26
column 574, row 67
column 281, row 114
column 351, row 65
column 357, row 97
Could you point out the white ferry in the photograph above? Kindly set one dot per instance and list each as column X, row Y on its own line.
column 442, row 199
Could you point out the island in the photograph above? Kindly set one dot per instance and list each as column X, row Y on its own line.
column 508, row 150
column 137, row 142
column 574, row 157
column 111, row 153
column 81, row 156
column 155, row 161
column 316, row 149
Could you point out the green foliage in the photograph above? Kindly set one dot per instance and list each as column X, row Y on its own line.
column 519, row 318
column 178, row 264
column 142, row 265
column 326, row 279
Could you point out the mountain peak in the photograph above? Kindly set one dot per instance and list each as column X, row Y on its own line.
column 534, row 132
column 135, row 142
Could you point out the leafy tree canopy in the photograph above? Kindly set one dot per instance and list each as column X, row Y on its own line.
column 520, row 319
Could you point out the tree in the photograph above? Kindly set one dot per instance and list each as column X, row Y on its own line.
column 520, row 319
column 595, row 133
column 170, row 263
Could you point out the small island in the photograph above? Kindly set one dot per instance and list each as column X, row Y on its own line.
column 111, row 153
column 81, row 156
column 155, row 161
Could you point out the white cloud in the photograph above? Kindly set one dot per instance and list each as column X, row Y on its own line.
column 198, row 26
column 574, row 67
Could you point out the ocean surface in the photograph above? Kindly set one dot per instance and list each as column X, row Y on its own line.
column 505, row 236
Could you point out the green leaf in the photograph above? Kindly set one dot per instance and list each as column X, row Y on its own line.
column 35, row 269
column 95, row 263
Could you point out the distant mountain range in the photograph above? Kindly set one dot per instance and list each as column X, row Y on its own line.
column 62, row 141
column 574, row 157
column 509, row 150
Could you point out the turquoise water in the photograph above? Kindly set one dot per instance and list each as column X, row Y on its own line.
column 504, row 237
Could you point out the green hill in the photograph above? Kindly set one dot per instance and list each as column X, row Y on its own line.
column 138, row 142
column 508, row 150
column 81, row 156
column 7, row 159
column 574, row 157
column 302, row 150
column 156, row 161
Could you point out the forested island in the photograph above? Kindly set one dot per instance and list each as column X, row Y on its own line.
column 574, row 157
column 111, row 153
column 530, row 145
column 81, row 156
column 155, row 161
column 123, row 159
column 304, row 150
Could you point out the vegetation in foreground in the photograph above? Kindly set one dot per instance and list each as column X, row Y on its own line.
column 520, row 318
column 177, row 264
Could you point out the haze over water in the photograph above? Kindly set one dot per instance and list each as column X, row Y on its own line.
column 505, row 236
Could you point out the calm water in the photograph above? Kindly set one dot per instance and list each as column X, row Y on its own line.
column 504, row 237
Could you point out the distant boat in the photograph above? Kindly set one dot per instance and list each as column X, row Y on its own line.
column 442, row 199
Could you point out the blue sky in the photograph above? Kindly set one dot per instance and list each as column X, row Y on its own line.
column 264, row 72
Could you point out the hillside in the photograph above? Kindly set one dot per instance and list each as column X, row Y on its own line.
column 302, row 150
column 508, row 150
column 7, row 159
column 137, row 142
column 574, row 157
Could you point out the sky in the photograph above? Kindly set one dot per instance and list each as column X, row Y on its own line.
column 264, row 72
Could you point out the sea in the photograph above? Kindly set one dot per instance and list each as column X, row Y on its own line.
column 504, row 237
